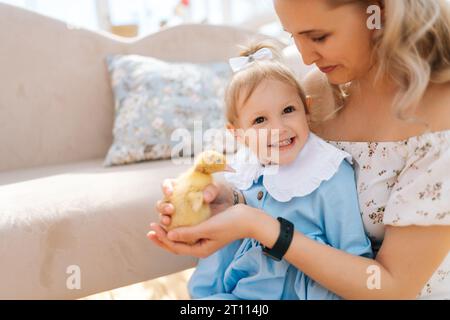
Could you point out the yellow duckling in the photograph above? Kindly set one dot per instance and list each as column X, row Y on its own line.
column 187, row 196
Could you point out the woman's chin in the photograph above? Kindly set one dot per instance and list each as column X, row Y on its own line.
column 337, row 78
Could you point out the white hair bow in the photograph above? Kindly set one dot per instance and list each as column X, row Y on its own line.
column 240, row 63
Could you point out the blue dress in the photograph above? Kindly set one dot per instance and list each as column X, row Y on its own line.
column 325, row 208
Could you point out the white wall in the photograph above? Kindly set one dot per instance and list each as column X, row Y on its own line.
column 148, row 14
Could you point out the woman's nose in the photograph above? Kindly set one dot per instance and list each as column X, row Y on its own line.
column 308, row 52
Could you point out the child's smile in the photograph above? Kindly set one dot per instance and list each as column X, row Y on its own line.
column 284, row 144
column 273, row 122
column 285, row 150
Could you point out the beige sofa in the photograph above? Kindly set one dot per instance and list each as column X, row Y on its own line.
column 59, row 207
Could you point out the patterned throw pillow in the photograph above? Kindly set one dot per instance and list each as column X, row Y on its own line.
column 155, row 99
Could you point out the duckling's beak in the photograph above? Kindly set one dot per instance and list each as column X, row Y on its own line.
column 229, row 169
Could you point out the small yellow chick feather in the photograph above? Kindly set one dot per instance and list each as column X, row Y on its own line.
column 187, row 196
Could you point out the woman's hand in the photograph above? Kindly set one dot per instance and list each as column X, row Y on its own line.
column 218, row 195
column 221, row 229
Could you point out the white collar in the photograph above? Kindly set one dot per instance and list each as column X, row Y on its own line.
column 317, row 161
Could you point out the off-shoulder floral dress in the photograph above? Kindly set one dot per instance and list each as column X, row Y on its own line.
column 405, row 183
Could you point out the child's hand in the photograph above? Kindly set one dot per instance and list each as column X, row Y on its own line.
column 218, row 195
column 232, row 224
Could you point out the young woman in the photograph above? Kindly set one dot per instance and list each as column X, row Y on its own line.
column 392, row 113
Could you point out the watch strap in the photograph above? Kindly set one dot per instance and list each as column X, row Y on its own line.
column 283, row 242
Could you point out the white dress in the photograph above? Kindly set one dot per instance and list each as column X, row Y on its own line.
column 405, row 183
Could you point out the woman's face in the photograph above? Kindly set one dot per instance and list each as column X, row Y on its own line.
column 337, row 40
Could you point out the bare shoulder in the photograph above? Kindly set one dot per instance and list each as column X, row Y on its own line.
column 435, row 108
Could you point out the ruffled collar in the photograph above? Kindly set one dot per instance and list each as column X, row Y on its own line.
column 318, row 161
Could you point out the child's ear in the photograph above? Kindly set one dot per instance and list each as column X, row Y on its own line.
column 308, row 118
column 309, row 103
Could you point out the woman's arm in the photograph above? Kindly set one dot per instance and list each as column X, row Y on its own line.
column 407, row 259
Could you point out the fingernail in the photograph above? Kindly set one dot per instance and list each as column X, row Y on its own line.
column 208, row 196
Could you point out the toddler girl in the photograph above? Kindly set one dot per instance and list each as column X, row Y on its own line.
column 287, row 171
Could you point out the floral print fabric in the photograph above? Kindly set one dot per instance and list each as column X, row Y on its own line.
column 153, row 98
column 405, row 183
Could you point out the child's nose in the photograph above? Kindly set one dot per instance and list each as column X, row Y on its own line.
column 278, row 129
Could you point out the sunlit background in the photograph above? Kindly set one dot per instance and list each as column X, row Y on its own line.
column 141, row 17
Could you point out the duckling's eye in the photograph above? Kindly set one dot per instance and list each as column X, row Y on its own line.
column 259, row 120
column 289, row 109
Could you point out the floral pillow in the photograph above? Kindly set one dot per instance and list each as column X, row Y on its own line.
column 157, row 102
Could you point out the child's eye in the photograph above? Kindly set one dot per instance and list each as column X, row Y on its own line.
column 320, row 39
column 289, row 109
column 259, row 120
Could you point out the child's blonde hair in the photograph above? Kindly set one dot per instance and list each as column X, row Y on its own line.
column 245, row 81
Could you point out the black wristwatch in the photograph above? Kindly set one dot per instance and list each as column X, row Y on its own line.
column 283, row 242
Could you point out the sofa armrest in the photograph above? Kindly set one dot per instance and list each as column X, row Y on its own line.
column 89, row 221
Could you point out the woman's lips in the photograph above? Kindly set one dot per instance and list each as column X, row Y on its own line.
column 328, row 69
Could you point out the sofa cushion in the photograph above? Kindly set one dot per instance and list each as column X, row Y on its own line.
column 81, row 215
column 155, row 99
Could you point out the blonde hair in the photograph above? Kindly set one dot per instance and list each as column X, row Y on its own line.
column 244, row 82
column 412, row 49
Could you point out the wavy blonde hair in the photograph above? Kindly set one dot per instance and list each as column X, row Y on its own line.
column 413, row 49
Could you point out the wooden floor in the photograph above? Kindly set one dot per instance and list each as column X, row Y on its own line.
column 172, row 287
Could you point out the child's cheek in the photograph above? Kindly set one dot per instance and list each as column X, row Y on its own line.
column 303, row 129
column 259, row 147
